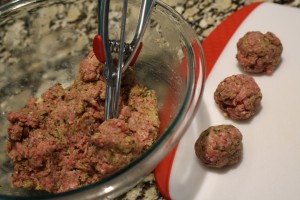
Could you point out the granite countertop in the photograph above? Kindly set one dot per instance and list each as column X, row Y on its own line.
column 203, row 16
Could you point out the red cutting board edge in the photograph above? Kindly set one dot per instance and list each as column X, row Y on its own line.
column 213, row 46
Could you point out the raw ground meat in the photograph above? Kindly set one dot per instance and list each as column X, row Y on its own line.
column 238, row 96
column 258, row 52
column 60, row 142
column 219, row 146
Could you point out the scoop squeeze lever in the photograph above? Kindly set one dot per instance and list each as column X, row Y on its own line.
column 127, row 54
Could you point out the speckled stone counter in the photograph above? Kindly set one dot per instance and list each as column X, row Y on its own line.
column 203, row 16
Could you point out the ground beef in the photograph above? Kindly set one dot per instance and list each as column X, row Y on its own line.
column 258, row 52
column 60, row 141
column 238, row 96
column 219, row 146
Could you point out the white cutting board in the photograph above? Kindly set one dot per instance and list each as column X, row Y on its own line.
column 270, row 167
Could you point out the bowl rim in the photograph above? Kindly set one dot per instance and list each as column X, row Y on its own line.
column 185, row 113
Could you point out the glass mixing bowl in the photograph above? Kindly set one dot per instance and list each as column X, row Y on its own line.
column 42, row 43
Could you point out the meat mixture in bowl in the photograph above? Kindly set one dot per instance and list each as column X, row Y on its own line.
column 60, row 141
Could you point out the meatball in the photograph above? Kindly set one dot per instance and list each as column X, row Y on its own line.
column 219, row 146
column 238, row 96
column 258, row 52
